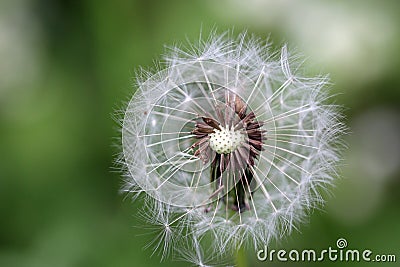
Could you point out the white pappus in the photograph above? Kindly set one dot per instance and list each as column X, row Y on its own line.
column 229, row 145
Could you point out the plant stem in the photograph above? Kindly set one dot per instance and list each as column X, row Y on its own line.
column 241, row 257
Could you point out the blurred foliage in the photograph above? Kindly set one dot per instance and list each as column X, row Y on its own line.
column 67, row 66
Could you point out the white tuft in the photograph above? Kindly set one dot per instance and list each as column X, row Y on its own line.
column 299, row 158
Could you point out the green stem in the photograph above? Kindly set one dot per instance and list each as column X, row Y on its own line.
column 241, row 257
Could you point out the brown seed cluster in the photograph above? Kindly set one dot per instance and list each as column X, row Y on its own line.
column 231, row 115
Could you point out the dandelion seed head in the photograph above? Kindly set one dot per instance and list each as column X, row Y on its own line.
column 229, row 145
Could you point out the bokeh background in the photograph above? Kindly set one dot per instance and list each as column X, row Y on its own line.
column 67, row 66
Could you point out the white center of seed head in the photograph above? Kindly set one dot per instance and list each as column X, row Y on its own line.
column 226, row 140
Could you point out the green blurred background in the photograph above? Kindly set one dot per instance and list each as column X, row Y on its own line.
column 66, row 66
